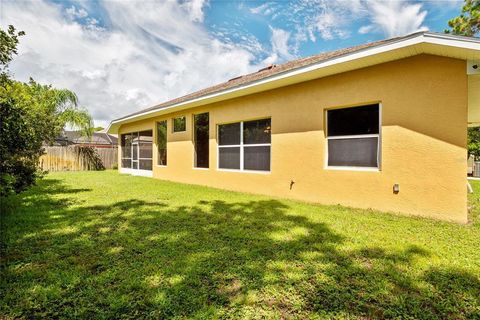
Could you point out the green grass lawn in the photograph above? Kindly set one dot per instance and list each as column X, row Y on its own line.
column 102, row 245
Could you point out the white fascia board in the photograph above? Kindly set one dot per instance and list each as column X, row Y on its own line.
column 414, row 40
column 452, row 40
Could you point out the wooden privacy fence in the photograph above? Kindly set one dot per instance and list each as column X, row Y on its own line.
column 78, row 158
column 108, row 156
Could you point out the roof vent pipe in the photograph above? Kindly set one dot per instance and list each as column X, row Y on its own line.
column 234, row 78
column 267, row 68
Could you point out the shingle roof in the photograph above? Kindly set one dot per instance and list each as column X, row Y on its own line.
column 97, row 138
column 267, row 72
column 278, row 69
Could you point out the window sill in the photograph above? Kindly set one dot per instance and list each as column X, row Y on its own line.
column 160, row 166
column 202, row 169
column 367, row 169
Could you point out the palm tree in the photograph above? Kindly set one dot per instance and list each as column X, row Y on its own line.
column 70, row 114
column 61, row 106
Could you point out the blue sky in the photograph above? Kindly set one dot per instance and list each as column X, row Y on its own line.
column 122, row 56
column 316, row 26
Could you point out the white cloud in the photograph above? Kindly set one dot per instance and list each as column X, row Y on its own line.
column 329, row 26
column 195, row 9
column 263, row 9
column 396, row 18
column 332, row 19
column 151, row 52
column 365, row 29
column 73, row 12
column 280, row 48
column 311, row 20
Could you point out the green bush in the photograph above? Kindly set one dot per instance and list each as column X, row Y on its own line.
column 20, row 143
column 30, row 114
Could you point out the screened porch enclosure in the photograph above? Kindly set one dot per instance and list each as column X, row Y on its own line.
column 137, row 152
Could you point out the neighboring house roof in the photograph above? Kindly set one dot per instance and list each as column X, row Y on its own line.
column 98, row 138
column 317, row 66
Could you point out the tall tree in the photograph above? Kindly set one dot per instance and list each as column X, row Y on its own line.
column 468, row 22
column 8, row 44
column 473, row 137
column 30, row 114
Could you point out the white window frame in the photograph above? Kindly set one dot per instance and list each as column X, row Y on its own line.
column 359, row 136
column 242, row 146
column 173, row 124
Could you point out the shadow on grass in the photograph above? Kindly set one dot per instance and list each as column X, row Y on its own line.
column 142, row 259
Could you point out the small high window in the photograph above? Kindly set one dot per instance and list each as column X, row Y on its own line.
column 353, row 137
column 179, row 124
column 245, row 145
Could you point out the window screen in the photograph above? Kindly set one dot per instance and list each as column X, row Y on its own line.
column 162, row 143
column 245, row 145
column 360, row 152
column 353, row 121
column 145, row 144
column 229, row 158
column 145, row 164
column 137, row 150
column 256, row 132
column 179, row 124
column 201, row 138
column 257, row 158
column 353, row 136
column 126, row 146
column 229, row 134
column 126, row 163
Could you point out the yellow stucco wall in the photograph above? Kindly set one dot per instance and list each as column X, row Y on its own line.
column 423, row 140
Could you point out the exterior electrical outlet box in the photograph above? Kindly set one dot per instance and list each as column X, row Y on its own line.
column 473, row 67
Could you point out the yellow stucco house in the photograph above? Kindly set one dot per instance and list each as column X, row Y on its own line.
column 381, row 125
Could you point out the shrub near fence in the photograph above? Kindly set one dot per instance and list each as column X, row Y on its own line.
column 109, row 156
column 77, row 158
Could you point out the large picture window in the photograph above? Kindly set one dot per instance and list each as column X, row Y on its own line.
column 162, row 143
column 245, row 146
column 353, row 137
column 137, row 150
column 201, row 139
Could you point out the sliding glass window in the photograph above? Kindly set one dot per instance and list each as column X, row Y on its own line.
column 245, row 146
column 162, row 143
column 201, row 140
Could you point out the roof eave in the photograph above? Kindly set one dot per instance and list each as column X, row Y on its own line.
column 414, row 44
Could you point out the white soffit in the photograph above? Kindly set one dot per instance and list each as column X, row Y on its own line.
column 422, row 43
